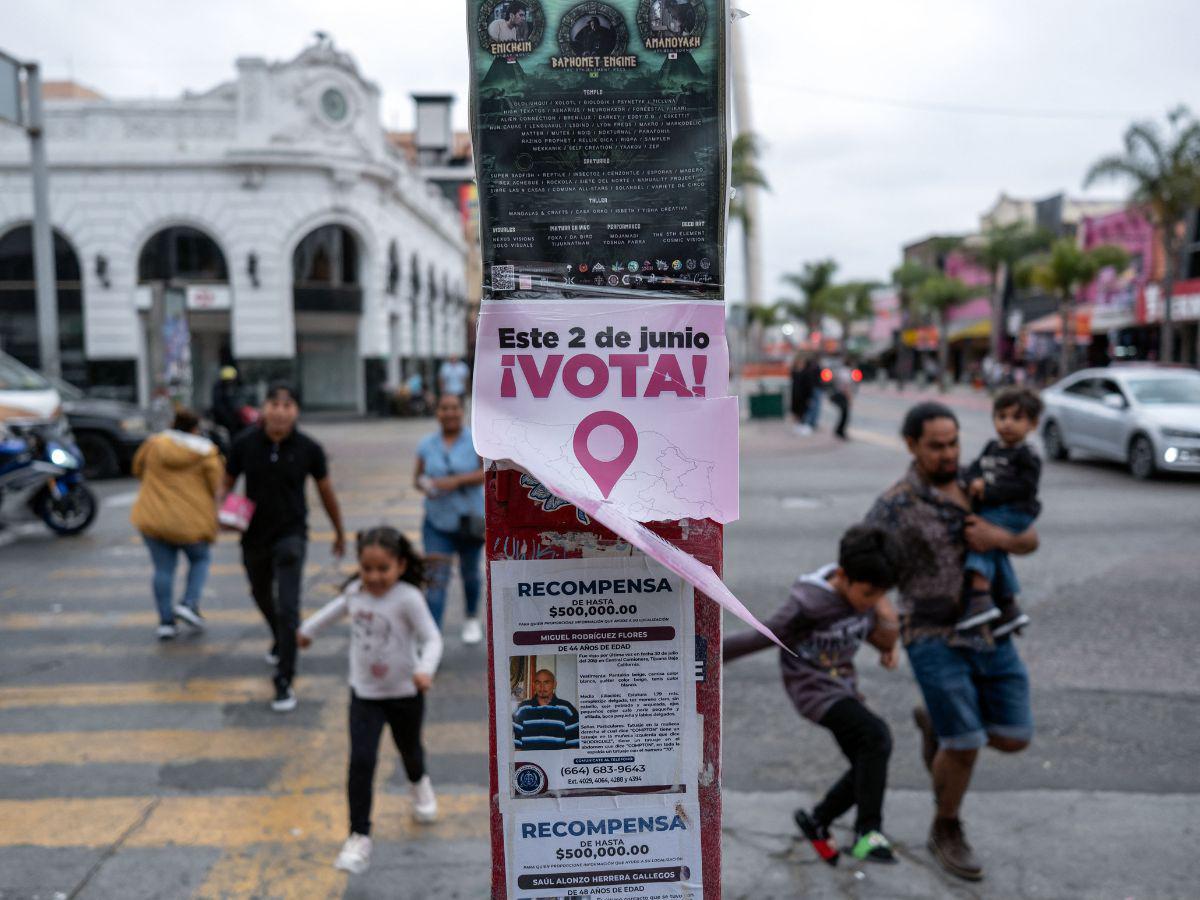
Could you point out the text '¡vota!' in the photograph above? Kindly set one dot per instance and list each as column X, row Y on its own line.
column 582, row 827
column 598, row 586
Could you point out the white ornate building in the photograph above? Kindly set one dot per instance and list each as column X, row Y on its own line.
column 270, row 213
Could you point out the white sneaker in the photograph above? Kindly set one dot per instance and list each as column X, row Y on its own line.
column 472, row 632
column 285, row 698
column 356, row 854
column 271, row 659
column 166, row 632
column 191, row 616
column 424, row 801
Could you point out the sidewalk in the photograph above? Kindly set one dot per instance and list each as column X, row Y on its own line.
column 1033, row 844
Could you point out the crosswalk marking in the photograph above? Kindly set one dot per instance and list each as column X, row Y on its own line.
column 233, row 822
column 118, row 693
column 146, row 619
column 70, row 748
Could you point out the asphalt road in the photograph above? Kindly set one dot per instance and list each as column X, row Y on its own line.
column 130, row 769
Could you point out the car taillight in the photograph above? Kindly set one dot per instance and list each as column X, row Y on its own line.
column 827, row 375
column 856, row 375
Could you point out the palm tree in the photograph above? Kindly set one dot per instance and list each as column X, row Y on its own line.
column 1165, row 172
column 907, row 278
column 1066, row 271
column 1001, row 249
column 810, row 281
column 935, row 296
column 847, row 303
column 744, row 172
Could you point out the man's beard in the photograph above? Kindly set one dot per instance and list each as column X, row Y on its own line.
column 941, row 477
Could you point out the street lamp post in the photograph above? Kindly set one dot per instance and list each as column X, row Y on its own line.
column 32, row 120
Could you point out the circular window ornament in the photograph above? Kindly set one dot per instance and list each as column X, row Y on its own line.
column 510, row 28
column 672, row 26
column 334, row 105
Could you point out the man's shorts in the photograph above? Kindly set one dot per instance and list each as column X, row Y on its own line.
column 971, row 694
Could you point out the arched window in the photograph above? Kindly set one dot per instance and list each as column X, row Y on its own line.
column 184, row 254
column 18, row 302
column 325, row 271
column 327, row 257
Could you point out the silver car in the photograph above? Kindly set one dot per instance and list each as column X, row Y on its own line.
column 1146, row 416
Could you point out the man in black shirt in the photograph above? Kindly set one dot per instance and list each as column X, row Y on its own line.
column 277, row 459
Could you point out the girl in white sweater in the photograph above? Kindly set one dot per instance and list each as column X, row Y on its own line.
column 395, row 648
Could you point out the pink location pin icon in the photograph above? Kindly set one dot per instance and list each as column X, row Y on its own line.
column 606, row 473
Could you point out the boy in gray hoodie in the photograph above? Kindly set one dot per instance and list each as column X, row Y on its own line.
column 824, row 621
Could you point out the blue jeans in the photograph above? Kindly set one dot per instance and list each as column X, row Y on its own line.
column 995, row 565
column 449, row 544
column 971, row 694
column 813, row 414
column 163, row 556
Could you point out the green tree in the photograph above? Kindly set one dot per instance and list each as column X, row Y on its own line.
column 810, row 282
column 847, row 303
column 1064, row 272
column 999, row 252
column 906, row 279
column 744, row 172
column 935, row 296
column 1164, row 170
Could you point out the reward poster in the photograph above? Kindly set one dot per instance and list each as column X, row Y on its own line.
column 598, row 755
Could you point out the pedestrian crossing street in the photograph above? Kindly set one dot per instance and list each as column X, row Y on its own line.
column 122, row 757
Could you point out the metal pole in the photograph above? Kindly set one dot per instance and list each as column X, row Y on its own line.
column 43, row 237
column 751, row 192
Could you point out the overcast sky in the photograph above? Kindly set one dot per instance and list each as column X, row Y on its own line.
column 884, row 121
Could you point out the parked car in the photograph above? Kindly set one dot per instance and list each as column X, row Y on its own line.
column 1145, row 416
column 26, row 395
column 107, row 432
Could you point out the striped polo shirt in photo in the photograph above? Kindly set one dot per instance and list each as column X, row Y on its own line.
column 554, row 726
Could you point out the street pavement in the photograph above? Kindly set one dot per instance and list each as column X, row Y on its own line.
column 133, row 769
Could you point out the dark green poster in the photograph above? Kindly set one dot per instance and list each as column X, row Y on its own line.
column 600, row 145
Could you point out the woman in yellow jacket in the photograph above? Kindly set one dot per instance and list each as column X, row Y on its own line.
column 176, row 510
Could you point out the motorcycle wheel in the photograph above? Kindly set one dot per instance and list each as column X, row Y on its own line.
column 71, row 514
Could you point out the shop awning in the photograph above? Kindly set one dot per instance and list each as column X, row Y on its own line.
column 966, row 331
column 1052, row 324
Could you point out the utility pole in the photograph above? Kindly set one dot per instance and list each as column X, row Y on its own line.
column 30, row 116
column 43, row 236
column 743, row 118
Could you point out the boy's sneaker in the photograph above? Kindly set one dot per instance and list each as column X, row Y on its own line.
column 1012, row 619
column 818, row 835
column 285, row 697
column 425, row 805
column 873, row 847
column 191, row 616
column 978, row 609
column 166, row 632
column 356, row 854
column 472, row 631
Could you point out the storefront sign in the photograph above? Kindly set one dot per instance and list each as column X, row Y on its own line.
column 209, row 298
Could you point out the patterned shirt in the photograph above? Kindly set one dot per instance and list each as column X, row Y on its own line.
column 554, row 726
column 930, row 524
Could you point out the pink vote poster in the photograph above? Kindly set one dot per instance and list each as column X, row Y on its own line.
column 624, row 403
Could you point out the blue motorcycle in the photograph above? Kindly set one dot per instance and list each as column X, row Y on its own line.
column 41, row 468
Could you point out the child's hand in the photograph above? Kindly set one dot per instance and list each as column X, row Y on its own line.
column 889, row 659
column 423, row 682
column 977, row 488
column 303, row 640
